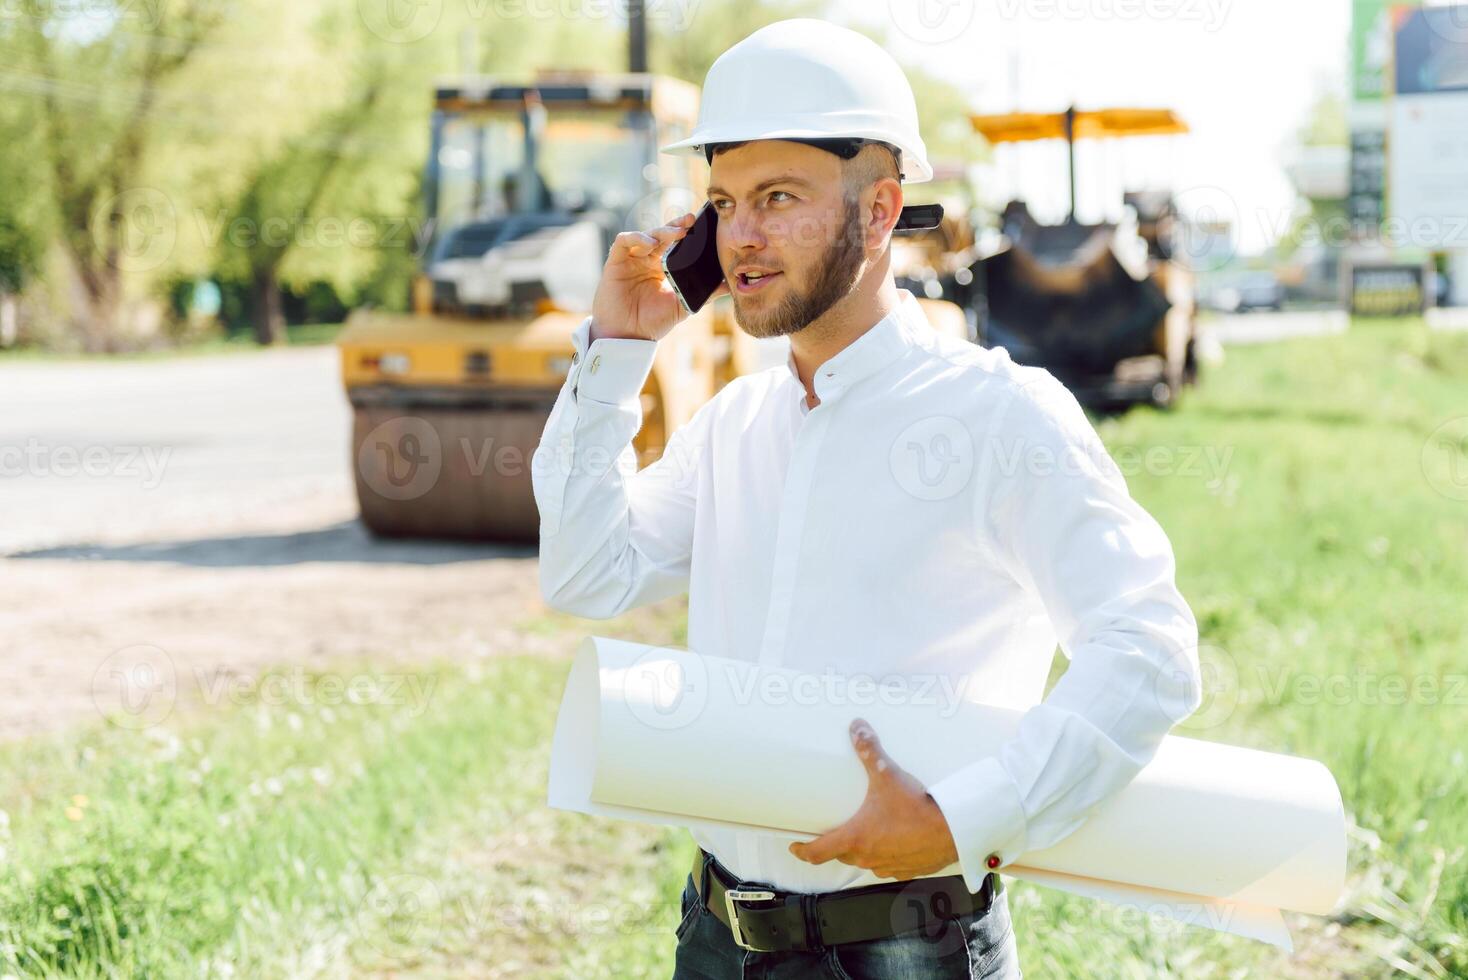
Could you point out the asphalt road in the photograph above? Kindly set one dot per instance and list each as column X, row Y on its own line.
column 185, row 518
column 131, row 449
column 1265, row 327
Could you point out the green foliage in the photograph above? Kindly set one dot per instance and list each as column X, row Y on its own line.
column 24, row 224
column 227, row 837
column 254, row 142
column 689, row 53
column 1326, row 123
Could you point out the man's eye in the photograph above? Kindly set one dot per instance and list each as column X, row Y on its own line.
column 719, row 205
column 781, row 194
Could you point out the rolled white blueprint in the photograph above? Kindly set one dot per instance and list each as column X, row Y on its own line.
column 1210, row 834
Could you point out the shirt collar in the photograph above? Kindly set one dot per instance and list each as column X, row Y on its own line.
column 888, row 340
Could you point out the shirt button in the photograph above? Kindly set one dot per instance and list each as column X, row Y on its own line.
column 595, row 363
column 992, row 861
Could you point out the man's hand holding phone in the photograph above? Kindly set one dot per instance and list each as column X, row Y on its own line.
column 634, row 298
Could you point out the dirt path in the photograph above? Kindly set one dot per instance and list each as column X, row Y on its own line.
column 167, row 523
column 195, row 611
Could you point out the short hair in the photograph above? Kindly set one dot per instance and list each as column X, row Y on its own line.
column 873, row 162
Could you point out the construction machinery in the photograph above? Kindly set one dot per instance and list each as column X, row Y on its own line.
column 925, row 263
column 526, row 186
column 1104, row 307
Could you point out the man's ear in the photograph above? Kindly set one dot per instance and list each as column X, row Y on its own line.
column 883, row 211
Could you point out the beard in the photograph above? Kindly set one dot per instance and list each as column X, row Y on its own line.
column 837, row 272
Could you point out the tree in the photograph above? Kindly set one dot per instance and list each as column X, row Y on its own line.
column 283, row 195
column 1324, row 132
column 688, row 53
column 102, row 77
column 23, row 225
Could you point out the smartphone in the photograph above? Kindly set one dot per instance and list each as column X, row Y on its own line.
column 692, row 264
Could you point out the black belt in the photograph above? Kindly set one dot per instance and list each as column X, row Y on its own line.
column 767, row 920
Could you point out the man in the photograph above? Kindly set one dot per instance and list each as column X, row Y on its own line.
column 889, row 503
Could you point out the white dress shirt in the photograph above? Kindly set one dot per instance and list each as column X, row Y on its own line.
column 942, row 512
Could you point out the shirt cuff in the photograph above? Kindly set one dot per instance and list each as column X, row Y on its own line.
column 611, row 369
column 985, row 816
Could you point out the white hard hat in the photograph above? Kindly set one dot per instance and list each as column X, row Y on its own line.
column 810, row 80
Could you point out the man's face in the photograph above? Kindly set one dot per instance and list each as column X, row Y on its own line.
column 789, row 241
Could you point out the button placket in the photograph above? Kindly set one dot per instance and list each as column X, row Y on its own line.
column 794, row 501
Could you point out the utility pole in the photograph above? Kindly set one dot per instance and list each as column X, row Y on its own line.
column 636, row 36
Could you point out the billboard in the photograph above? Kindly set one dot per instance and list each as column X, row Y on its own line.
column 1388, row 289
column 1427, row 154
column 1371, row 63
column 1371, row 49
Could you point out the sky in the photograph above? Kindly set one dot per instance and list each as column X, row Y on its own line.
column 1243, row 74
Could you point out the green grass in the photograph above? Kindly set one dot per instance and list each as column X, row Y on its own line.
column 1323, row 563
column 300, row 335
column 258, row 835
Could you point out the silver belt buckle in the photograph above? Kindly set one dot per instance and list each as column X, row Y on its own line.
column 733, row 895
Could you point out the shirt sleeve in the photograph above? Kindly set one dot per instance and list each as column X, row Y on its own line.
column 612, row 537
column 1060, row 519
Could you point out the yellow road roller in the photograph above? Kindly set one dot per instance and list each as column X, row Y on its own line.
column 526, row 186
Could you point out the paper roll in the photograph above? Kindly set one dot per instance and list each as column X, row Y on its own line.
column 1211, row 834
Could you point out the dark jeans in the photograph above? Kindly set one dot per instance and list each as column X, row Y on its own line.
column 978, row 946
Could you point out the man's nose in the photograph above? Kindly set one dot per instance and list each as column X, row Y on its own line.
column 743, row 230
